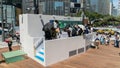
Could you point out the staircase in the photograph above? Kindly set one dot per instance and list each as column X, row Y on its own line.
column 40, row 55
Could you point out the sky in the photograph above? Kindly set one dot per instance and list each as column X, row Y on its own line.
column 115, row 2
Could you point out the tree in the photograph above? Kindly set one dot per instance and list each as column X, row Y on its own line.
column 99, row 19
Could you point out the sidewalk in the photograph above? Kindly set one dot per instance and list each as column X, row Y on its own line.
column 4, row 44
column 104, row 57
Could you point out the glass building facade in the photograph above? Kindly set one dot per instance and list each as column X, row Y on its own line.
column 94, row 5
column 118, row 11
column 104, row 6
column 101, row 6
column 9, row 12
column 73, row 1
column 55, row 7
column 47, row 7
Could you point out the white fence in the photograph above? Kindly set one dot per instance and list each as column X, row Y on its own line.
column 61, row 49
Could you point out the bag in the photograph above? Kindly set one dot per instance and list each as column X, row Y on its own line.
column 57, row 30
column 10, row 42
column 6, row 40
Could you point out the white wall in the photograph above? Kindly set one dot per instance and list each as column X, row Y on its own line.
column 34, row 26
column 46, row 18
column 58, row 50
column 31, row 23
column 25, row 39
column 88, row 38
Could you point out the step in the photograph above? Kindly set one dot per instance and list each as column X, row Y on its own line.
column 38, row 54
column 40, row 58
column 41, row 52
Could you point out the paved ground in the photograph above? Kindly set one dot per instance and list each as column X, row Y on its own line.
column 4, row 44
column 104, row 57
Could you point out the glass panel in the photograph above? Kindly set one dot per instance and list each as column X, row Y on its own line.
column 10, row 13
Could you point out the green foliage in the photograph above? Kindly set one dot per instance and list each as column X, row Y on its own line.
column 108, row 20
column 93, row 15
column 79, row 14
column 103, row 20
column 118, row 18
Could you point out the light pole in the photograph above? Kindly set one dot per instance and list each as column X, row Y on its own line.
column 83, row 16
column 6, row 12
column 3, row 38
column 36, row 2
column 83, row 11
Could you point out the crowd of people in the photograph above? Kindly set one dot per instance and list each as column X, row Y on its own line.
column 75, row 30
column 53, row 30
column 105, row 39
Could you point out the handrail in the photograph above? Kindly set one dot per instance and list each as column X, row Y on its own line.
column 39, row 42
column 41, row 21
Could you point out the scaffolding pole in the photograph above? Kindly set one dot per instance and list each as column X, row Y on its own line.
column 3, row 38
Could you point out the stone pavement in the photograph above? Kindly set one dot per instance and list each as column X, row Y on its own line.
column 104, row 57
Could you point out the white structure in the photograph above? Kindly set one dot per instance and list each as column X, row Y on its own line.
column 51, row 51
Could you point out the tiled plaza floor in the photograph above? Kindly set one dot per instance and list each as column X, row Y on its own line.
column 104, row 57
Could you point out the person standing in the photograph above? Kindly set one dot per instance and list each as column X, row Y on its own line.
column 107, row 39
column 96, row 41
column 117, row 42
column 102, row 39
column 80, row 31
column 17, row 38
column 56, row 28
column 9, row 41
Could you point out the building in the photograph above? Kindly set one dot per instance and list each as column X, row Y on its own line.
column 111, row 7
column 118, row 8
column 115, row 12
column 75, row 7
column 51, row 7
column 47, row 7
column 101, row 6
column 10, row 10
column 27, row 6
column 94, row 5
column 73, row 1
column 86, row 5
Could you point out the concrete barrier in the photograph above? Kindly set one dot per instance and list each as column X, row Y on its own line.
column 61, row 49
